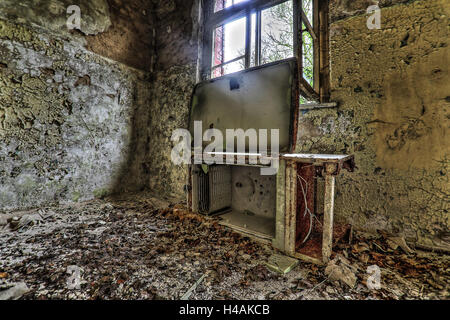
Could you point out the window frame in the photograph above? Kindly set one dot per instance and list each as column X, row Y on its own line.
column 318, row 28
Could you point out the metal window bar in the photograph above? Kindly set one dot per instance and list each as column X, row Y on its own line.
column 237, row 11
column 248, row 39
column 258, row 39
column 228, row 62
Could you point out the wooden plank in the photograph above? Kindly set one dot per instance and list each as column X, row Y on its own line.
column 306, row 88
column 311, row 106
column 280, row 225
column 307, row 258
column 290, row 209
column 308, row 25
column 327, row 240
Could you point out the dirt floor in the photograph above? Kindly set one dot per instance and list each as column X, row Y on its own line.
column 141, row 247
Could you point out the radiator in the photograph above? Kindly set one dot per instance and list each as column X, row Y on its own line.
column 211, row 190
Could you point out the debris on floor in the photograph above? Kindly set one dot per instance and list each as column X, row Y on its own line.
column 13, row 291
column 140, row 247
column 340, row 269
column 281, row 263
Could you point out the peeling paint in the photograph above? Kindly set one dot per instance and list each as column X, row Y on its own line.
column 394, row 116
column 65, row 119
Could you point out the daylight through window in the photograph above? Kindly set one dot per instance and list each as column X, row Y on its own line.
column 240, row 34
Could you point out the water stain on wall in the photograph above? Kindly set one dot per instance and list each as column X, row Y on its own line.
column 412, row 122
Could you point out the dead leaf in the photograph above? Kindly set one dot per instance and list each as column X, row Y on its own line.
column 364, row 258
column 360, row 247
column 339, row 269
column 399, row 242
column 392, row 244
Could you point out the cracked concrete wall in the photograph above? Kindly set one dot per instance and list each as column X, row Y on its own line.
column 393, row 90
column 70, row 119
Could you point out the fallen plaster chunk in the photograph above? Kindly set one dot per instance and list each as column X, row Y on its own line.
column 15, row 292
column 340, row 269
column 281, row 264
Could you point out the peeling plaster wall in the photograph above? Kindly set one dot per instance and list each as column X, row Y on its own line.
column 122, row 30
column 393, row 88
column 174, row 80
column 341, row 9
column 53, row 14
column 70, row 120
column 131, row 37
column 170, row 111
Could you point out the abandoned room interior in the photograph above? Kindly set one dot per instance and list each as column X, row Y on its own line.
column 224, row 149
